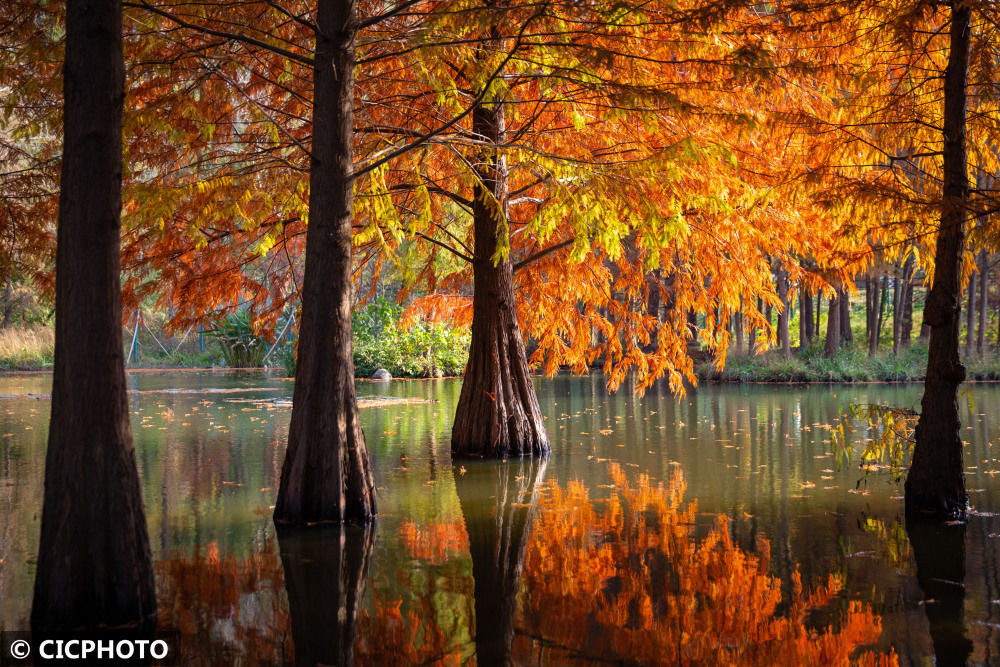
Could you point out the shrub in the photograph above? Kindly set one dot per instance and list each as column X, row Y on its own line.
column 241, row 347
column 424, row 350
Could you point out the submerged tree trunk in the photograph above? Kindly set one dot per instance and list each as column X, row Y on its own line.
column 498, row 414
column 326, row 570
column 833, row 328
column 936, row 481
column 94, row 565
column 326, row 475
column 498, row 502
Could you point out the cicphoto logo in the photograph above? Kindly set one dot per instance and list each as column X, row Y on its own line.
column 21, row 648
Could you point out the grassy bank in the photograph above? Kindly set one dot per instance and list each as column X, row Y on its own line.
column 849, row 365
column 28, row 348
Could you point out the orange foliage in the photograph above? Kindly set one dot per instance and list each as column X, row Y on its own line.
column 632, row 579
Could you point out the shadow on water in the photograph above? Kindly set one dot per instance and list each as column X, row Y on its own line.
column 326, row 570
column 939, row 551
column 498, row 501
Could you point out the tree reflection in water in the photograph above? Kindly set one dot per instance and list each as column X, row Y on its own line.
column 939, row 550
column 498, row 500
column 560, row 577
column 628, row 577
column 326, row 569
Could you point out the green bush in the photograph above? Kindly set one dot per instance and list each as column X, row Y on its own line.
column 423, row 350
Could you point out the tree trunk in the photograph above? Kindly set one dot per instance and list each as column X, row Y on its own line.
column 819, row 312
column 653, row 307
column 902, row 310
column 738, row 326
column 94, row 565
column 871, row 308
column 326, row 570
column 833, row 328
column 970, row 318
column 326, row 475
column 936, row 481
column 498, row 414
column 844, row 300
column 880, row 320
column 984, row 295
column 897, row 311
column 783, row 337
column 498, row 502
column 807, row 317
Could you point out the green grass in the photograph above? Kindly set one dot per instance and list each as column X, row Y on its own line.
column 849, row 365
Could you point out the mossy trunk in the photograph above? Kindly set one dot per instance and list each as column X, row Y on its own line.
column 326, row 475
column 94, row 565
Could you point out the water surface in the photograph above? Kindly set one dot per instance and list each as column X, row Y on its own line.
column 717, row 527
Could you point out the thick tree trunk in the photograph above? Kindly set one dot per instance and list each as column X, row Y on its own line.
column 819, row 312
column 833, row 328
column 326, row 570
column 498, row 502
column 326, row 475
column 783, row 337
column 94, row 564
column 936, row 481
column 498, row 414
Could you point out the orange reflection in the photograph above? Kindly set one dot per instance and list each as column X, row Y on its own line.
column 434, row 543
column 227, row 609
column 631, row 579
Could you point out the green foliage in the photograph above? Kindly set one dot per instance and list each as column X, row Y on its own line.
column 241, row 346
column 890, row 440
column 422, row 350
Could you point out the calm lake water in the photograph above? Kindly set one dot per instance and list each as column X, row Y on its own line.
column 714, row 528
